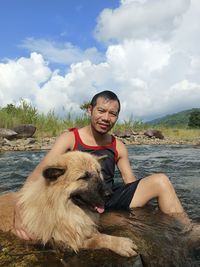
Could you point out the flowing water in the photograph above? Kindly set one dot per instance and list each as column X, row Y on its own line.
column 161, row 240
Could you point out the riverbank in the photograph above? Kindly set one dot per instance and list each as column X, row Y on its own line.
column 33, row 144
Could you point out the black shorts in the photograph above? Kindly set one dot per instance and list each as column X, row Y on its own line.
column 122, row 195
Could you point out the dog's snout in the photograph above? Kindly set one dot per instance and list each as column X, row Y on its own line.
column 103, row 189
column 108, row 191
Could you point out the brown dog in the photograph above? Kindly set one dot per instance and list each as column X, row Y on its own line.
column 63, row 206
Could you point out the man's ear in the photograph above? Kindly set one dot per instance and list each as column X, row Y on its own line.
column 52, row 173
column 89, row 110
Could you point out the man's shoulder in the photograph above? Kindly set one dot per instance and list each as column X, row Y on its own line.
column 119, row 142
column 66, row 138
column 66, row 134
column 121, row 147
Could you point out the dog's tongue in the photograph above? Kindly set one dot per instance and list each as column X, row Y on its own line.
column 99, row 209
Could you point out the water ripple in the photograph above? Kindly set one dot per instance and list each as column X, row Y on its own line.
column 180, row 163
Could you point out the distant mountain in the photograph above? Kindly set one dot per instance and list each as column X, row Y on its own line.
column 179, row 119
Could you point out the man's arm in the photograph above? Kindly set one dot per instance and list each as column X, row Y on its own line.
column 63, row 143
column 123, row 163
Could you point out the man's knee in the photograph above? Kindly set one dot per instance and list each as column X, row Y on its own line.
column 150, row 187
column 162, row 181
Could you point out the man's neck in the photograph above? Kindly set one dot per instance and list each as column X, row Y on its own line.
column 98, row 137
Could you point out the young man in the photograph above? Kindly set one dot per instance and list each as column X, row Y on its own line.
column 95, row 138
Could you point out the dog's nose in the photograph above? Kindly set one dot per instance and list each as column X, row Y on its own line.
column 108, row 191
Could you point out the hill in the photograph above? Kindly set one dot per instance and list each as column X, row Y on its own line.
column 179, row 119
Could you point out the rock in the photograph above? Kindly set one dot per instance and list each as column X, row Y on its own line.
column 7, row 142
column 134, row 133
column 24, row 130
column 154, row 133
column 7, row 133
column 123, row 134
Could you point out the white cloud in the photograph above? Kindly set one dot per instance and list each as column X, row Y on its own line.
column 153, row 19
column 62, row 53
column 138, row 58
column 187, row 36
column 182, row 94
column 153, row 65
column 67, row 92
column 21, row 78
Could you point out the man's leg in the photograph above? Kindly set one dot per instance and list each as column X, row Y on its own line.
column 157, row 186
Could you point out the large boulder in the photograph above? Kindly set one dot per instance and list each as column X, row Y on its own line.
column 7, row 133
column 123, row 134
column 24, row 130
column 154, row 134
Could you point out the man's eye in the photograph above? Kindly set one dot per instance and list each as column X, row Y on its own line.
column 113, row 114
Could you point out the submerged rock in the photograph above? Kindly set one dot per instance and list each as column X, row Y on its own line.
column 18, row 253
column 159, row 238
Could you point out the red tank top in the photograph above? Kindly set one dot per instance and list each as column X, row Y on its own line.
column 108, row 164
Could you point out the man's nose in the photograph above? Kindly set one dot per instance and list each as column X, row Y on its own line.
column 106, row 116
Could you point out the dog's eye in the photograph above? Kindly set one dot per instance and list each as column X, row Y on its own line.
column 86, row 176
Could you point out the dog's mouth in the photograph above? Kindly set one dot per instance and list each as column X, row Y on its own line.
column 92, row 203
column 99, row 209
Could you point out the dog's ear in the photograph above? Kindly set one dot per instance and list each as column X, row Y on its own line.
column 52, row 173
column 102, row 158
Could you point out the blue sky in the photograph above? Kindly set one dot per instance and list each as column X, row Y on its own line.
column 58, row 54
column 62, row 20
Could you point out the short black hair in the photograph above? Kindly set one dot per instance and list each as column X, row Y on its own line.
column 109, row 95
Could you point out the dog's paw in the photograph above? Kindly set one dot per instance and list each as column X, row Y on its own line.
column 126, row 247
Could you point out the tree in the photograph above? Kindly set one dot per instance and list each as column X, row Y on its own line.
column 85, row 106
column 194, row 119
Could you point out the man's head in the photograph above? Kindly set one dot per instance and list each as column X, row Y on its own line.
column 108, row 95
column 104, row 110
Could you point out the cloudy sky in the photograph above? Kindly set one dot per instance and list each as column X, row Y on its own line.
column 58, row 54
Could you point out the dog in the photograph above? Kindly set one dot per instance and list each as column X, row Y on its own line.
column 63, row 206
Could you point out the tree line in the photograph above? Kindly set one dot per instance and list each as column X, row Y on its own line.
column 194, row 119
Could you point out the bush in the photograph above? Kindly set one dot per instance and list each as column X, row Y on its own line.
column 12, row 115
column 47, row 124
column 194, row 119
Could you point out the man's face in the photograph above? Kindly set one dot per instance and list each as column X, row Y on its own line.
column 104, row 115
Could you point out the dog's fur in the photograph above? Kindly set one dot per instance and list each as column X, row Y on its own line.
column 62, row 206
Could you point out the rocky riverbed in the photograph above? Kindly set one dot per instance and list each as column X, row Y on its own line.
column 33, row 143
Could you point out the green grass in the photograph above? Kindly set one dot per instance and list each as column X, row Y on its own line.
column 50, row 125
column 47, row 125
column 179, row 134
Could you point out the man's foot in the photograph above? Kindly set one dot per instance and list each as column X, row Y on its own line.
column 194, row 232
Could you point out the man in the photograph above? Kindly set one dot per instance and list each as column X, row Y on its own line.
column 95, row 138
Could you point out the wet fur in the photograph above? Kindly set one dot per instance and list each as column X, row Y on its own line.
column 50, row 212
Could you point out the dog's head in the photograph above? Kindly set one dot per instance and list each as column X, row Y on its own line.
column 78, row 175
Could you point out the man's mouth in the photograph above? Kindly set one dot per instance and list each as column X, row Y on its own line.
column 104, row 126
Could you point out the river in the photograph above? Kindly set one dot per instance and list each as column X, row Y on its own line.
column 180, row 162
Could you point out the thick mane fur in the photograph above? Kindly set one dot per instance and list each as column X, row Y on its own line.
column 61, row 205
column 48, row 213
